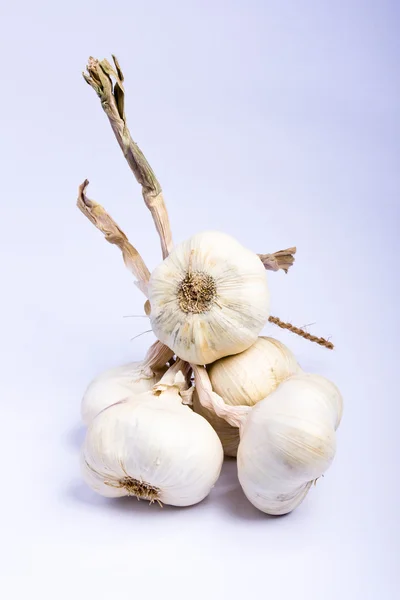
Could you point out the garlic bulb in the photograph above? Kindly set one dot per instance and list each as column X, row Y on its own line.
column 245, row 379
column 118, row 383
column 152, row 447
column 209, row 298
column 287, row 441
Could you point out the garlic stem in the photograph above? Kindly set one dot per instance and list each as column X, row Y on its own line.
column 157, row 356
column 100, row 77
column 114, row 235
column 301, row 332
column 179, row 366
column 177, row 381
column 283, row 259
column 234, row 415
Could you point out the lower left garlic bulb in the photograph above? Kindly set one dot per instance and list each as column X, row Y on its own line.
column 152, row 447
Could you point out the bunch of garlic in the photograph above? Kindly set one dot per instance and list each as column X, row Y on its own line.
column 287, row 440
column 208, row 302
column 153, row 447
column 245, row 379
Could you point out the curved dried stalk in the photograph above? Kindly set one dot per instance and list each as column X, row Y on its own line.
column 234, row 415
column 283, row 259
column 100, row 76
column 158, row 354
column 114, row 235
column 156, row 358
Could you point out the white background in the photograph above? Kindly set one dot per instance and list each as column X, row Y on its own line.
column 277, row 122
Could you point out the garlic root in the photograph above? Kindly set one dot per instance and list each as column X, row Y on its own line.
column 209, row 298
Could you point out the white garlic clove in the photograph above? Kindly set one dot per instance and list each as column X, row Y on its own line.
column 329, row 392
column 114, row 385
column 209, row 298
column 252, row 375
column 287, row 442
column 245, row 379
column 154, row 448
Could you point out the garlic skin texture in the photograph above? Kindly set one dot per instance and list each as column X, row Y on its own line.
column 228, row 434
column 154, row 448
column 114, row 385
column 209, row 298
column 288, row 441
column 246, row 379
column 252, row 375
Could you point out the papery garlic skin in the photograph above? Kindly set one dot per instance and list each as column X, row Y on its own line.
column 154, row 448
column 114, row 385
column 246, row 379
column 228, row 434
column 209, row 298
column 287, row 442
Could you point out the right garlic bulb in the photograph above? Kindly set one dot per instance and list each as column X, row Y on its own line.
column 152, row 447
column 246, row 379
column 209, row 298
column 288, row 441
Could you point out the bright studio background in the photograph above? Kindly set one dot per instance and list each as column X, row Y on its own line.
column 277, row 122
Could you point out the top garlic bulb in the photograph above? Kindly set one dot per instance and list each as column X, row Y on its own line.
column 209, row 298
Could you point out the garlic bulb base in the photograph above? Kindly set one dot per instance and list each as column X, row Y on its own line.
column 196, row 292
column 140, row 489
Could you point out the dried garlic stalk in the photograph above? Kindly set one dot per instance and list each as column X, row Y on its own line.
column 100, row 76
column 113, row 234
column 158, row 354
column 283, row 259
